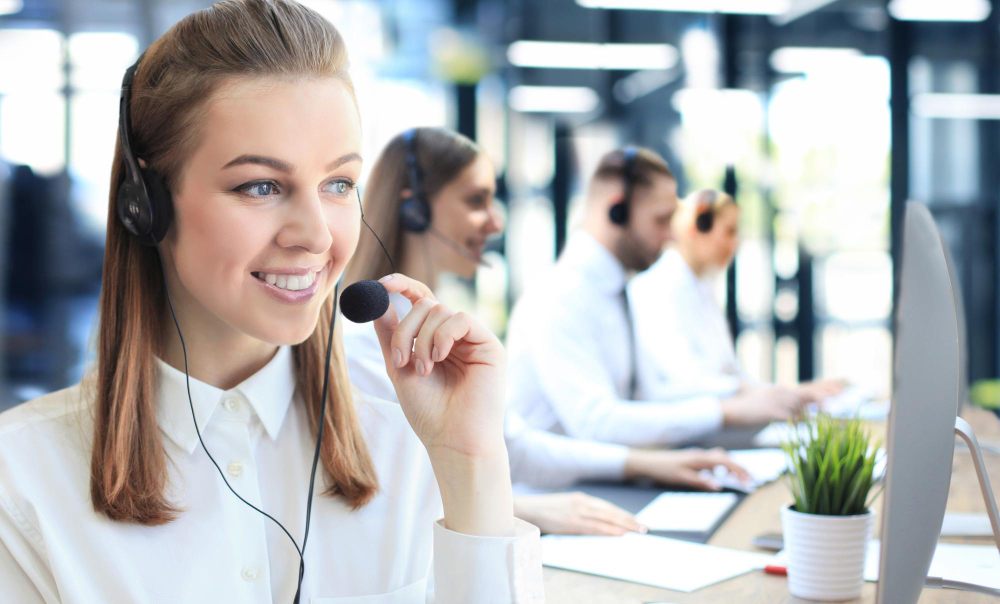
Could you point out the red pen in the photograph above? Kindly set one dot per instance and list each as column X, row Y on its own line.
column 776, row 569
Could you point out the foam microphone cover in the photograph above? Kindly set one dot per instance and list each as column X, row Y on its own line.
column 364, row 301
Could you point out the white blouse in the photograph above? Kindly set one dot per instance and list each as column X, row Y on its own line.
column 682, row 335
column 55, row 548
column 538, row 458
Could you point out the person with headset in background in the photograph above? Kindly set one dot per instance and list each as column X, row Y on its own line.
column 233, row 212
column 674, row 302
column 431, row 200
column 572, row 362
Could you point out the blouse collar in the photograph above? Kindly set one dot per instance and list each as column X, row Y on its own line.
column 266, row 394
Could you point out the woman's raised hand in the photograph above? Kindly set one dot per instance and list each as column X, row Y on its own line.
column 449, row 375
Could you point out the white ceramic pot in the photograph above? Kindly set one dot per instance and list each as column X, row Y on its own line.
column 826, row 554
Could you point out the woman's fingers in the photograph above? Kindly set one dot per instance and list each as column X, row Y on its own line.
column 385, row 326
column 407, row 330
column 692, row 478
column 735, row 468
column 424, row 349
column 608, row 513
column 709, row 460
column 720, row 457
column 588, row 526
column 430, row 330
column 456, row 328
column 411, row 289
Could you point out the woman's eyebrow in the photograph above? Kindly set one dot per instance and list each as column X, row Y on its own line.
column 261, row 160
column 343, row 160
column 283, row 166
column 482, row 192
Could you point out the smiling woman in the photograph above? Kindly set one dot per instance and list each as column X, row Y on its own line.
column 234, row 211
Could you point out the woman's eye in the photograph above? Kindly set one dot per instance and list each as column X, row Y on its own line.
column 258, row 189
column 340, row 188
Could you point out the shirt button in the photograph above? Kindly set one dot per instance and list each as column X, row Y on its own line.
column 231, row 405
column 235, row 468
column 248, row 573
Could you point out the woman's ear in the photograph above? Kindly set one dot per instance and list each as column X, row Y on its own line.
column 142, row 163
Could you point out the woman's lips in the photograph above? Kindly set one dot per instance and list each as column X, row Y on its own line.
column 288, row 296
column 476, row 248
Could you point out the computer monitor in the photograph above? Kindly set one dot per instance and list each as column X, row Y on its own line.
column 922, row 418
column 963, row 334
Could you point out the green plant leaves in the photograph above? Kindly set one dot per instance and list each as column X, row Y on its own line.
column 832, row 464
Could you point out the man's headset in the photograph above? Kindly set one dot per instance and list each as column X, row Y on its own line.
column 619, row 212
column 145, row 208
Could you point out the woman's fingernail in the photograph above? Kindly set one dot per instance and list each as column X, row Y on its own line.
column 384, row 279
column 397, row 357
column 435, row 355
column 643, row 529
column 419, row 366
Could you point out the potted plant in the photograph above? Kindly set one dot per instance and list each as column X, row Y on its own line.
column 827, row 528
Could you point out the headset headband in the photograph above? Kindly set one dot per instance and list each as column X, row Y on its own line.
column 412, row 168
column 132, row 172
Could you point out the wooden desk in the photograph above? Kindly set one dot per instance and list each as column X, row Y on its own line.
column 759, row 513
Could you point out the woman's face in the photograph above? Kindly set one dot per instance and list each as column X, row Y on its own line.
column 266, row 214
column 720, row 244
column 465, row 211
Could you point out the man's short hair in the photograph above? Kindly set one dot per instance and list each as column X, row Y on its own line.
column 645, row 166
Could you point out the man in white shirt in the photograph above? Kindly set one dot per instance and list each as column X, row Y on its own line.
column 701, row 357
column 570, row 346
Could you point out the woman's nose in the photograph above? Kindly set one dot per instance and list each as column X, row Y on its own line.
column 306, row 226
column 494, row 223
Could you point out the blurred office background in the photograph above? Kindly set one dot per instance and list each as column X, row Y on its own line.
column 822, row 116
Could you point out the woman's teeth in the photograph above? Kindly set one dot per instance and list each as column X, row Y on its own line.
column 289, row 282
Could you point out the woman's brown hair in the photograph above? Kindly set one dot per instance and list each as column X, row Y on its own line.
column 441, row 155
column 175, row 78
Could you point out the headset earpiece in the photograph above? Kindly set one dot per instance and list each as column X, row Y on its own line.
column 415, row 210
column 414, row 214
column 619, row 212
column 143, row 201
column 705, row 221
column 706, row 212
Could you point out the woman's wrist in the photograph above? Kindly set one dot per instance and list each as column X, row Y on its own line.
column 649, row 463
column 475, row 491
column 637, row 464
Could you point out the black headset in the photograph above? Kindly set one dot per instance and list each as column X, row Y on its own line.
column 145, row 208
column 143, row 201
column 706, row 218
column 414, row 210
column 619, row 212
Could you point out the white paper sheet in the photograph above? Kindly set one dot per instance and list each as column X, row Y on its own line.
column 976, row 564
column 695, row 512
column 966, row 525
column 650, row 560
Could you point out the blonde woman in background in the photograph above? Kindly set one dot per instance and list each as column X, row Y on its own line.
column 683, row 338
